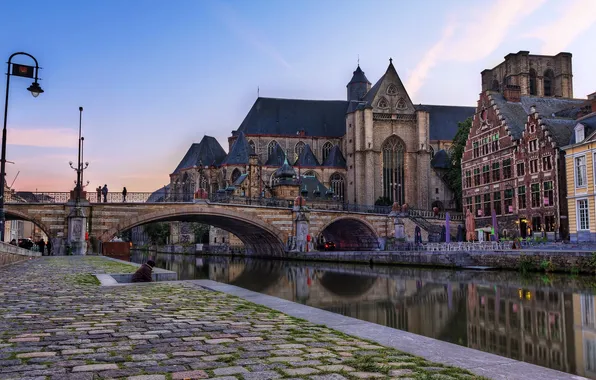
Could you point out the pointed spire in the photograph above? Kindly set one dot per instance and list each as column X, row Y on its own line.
column 390, row 61
column 307, row 158
column 239, row 153
column 285, row 172
column 358, row 76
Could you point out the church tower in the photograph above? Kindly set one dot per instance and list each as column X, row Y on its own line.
column 358, row 86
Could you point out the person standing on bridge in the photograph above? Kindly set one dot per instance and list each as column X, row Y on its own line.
column 98, row 193
column 104, row 191
column 124, row 192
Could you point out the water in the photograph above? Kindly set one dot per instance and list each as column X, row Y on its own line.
column 548, row 320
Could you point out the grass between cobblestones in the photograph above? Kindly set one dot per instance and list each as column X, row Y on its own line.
column 57, row 325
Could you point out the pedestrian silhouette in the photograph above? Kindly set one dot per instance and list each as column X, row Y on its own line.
column 104, row 191
column 124, row 192
column 98, row 193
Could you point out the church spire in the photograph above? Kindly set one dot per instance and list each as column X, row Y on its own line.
column 358, row 85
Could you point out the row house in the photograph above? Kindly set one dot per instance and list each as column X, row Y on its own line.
column 513, row 165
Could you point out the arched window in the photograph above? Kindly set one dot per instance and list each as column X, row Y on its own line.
column 252, row 146
column 337, row 184
column 311, row 173
column 495, row 86
column 548, row 82
column 326, row 149
column 188, row 188
column 271, row 147
column 393, row 169
column 383, row 103
column 533, row 82
column 298, row 149
column 235, row 174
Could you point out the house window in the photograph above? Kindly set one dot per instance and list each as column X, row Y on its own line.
column 495, row 143
column 477, row 177
column 477, row 204
column 521, row 197
column 535, row 195
column 583, row 220
column 549, row 223
column 496, row 172
column 486, row 205
column 468, row 178
column 484, row 147
column 497, row 202
column 393, row 150
column 536, row 224
column 520, row 169
column 326, row 149
column 469, row 204
column 532, row 128
column 337, row 185
column 588, row 315
column 580, row 171
column 507, row 168
column 547, row 163
column 548, row 82
column 486, row 174
column 548, row 193
column 534, row 166
column 579, row 133
column 508, row 201
column 590, row 352
column 476, row 146
column 533, row 145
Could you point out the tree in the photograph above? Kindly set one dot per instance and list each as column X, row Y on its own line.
column 199, row 230
column 453, row 175
column 158, row 233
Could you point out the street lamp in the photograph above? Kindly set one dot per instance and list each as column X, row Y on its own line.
column 20, row 71
column 79, row 169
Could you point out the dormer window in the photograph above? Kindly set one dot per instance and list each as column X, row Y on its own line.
column 383, row 103
column 580, row 134
column 391, row 90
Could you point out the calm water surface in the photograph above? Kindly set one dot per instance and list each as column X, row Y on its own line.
column 548, row 320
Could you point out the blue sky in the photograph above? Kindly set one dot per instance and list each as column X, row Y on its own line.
column 155, row 76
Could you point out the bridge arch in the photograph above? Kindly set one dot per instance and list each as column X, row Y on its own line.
column 257, row 236
column 350, row 234
column 17, row 215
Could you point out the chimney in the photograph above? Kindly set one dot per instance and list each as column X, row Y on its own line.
column 592, row 99
column 512, row 93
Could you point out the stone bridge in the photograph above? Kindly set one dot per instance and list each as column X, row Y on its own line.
column 262, row 229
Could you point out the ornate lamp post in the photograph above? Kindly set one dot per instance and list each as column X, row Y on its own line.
column 77, row 222
column 19, row 71
column 79, row 169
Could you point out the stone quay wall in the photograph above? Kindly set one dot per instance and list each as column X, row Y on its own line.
column 10, row 254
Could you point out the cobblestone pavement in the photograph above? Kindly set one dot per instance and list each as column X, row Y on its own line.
column 56, row 323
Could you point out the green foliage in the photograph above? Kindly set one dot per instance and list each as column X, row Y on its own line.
column 126, row 235
column 200, row 231
column 592, row 262
column 547, row 265
column 525, row 264
column 83, row 279
column 383, row 201
column 158, row 233
column 453, row 175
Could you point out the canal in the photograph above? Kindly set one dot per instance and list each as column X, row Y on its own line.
column 544, row 319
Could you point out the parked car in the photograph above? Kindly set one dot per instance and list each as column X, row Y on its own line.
column 329, row 246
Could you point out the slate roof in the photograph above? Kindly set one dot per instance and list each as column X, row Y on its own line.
column 240, row 179
column 441, row 160
column 560, row 130
column 335, row 159
column 307, row 158
column 358, row 76
column 444, row 119
column 516, row 113
column 239, row 153
column 159, row 194
column 285, row 171
column 311, row 183
column 274, row 116
column 208, row 151
column 589, row 123
column 277, row 156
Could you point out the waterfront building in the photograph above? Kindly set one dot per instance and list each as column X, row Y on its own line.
column 580, row 159
column 375, row 144
column 513, row 164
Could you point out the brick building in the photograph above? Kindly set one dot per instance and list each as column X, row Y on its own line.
column 513, row 162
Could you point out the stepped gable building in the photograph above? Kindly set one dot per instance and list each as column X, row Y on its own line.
column 374, row 144
column 513, row 163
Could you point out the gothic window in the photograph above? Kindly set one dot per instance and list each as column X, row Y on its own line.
column 273, row 180
column 187, row 188
column 548, row 82
column 393, row 169
column 533, row 82
column 337, row 183
column 391, row 90
column 311, row 173
column 252, row 146
column 326, row 149
column 298, row 149
column 383, row 103
column 271, row 147
column 235, row 174
column 495, row 86
column 401, row 104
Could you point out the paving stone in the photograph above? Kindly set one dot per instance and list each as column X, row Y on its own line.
column 366, row 375
column 286, row 352
column 335, row 368
column 229, row 371
column 224, row 378
column 189, row 375
column 78, row 351
column 400, row 372
column 331, row 376
column 29, row 355
column 286, row 359
column 262, row 375
column 219, row 341
column 302, row 371
column 189, row 353
column 149, row 357
column 147, row 377
column 94, row 367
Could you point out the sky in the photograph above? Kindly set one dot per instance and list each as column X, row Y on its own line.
column 155, row 76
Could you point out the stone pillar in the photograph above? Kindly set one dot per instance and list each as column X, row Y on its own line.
column 400, row 231
column 77, row 223
column 302, row 223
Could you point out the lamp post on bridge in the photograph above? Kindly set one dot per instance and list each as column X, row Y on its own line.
column 19, row 71
column 77, row 222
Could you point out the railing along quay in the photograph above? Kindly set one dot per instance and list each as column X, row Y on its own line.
column 171, row 197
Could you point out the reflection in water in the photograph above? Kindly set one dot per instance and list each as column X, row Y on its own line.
column 497, row 312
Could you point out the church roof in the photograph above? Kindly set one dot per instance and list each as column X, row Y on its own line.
column 285, row 171
column 277, row 156
column 240, row 179
column 389, row 73
column 312, row 185
column 441, row 160
column 208, row 152
column 335, row 159
column 516, row 113
column 159, row 195
column 307, row 158
column 239, row 153
column 358, row 76
column 274, row 116
column 444, row 119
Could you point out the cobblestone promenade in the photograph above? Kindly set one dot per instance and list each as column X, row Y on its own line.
column 57, row 323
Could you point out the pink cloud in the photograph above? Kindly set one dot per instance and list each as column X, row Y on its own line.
column 49, row 138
